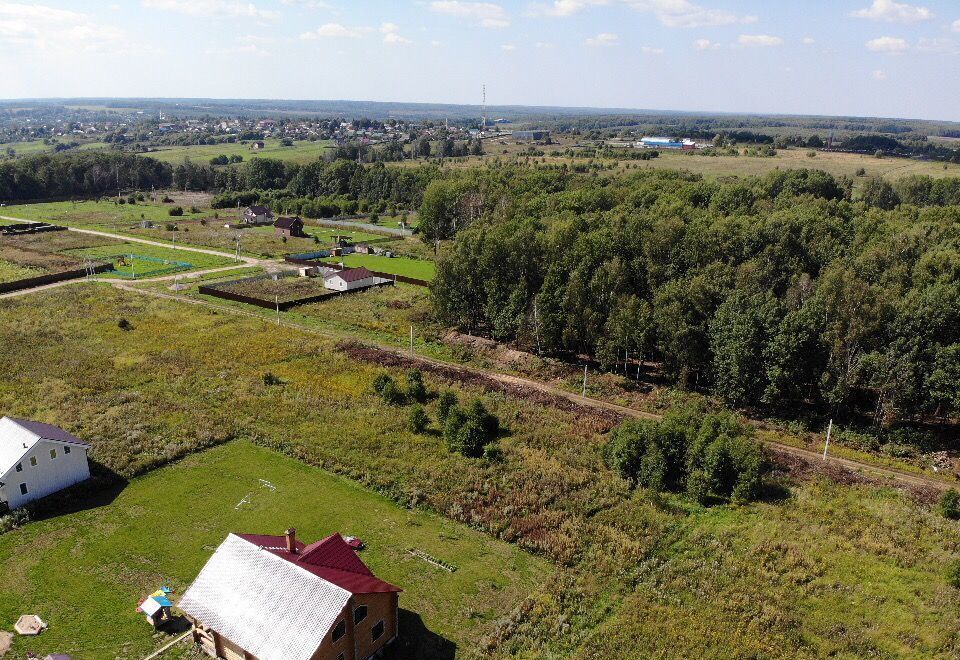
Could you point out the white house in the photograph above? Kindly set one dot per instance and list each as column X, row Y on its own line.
column 351, row 278
column 37, row 460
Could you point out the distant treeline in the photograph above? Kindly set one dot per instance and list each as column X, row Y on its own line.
column 779, row 292
column 90, row 173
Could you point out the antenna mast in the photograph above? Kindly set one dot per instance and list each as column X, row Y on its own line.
column 483, row 126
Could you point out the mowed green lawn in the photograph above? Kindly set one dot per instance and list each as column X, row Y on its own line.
column 85, row 572
column 418, row 268
column 300, row 152
column 197, row 260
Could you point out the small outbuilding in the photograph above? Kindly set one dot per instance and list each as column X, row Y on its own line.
column 349, row 279
column 257, row 215
column 289, row 227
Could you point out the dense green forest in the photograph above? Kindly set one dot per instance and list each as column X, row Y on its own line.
column 780, row 292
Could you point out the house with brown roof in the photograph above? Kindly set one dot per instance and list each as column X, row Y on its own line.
column 257, row 215
column 289, row 227
column 274, row 598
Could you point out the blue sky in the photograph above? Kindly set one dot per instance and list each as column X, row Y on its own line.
column 852, row 57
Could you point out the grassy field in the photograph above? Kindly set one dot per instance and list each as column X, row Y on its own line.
column 203, row 229
column 417, row 268
column 300, row 152
column 85, row 572
column 111, row 253
column 11, row 272
column 282, row 290
column 105, row 214
column 816, row 569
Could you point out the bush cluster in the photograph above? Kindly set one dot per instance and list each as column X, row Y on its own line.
column 471, row 431
column 709, row 457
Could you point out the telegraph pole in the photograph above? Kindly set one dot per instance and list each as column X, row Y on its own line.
column 826, row 445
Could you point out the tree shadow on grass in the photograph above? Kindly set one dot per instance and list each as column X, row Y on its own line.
column 417, row 642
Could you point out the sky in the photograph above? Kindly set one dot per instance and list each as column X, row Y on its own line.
column 829, row 57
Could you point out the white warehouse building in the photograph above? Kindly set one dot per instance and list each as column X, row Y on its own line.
column 37, row 460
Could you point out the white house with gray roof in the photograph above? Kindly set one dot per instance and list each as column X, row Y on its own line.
column 37, row 460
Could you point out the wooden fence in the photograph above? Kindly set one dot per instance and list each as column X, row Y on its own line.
column 52, row 278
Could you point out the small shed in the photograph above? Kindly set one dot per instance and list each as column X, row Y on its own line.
column 289, row 227
column 349, row 279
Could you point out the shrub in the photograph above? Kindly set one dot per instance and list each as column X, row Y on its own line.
column 167, row 200
column 176, row 211
column 493, row 453
column 124, row 324
column 950, row 504
column 446, row 403
column 270, row 379
column 418, row 420
column 387, row 389
column 416, row 390
column 170, row 226
column 195, row 209
column 953, row 574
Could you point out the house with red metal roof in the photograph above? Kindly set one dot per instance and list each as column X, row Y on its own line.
column 275, row 598
column 37, row 460
column 348, row 279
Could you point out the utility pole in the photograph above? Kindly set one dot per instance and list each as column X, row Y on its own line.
column 826, row 445
column 583, row 392
column 411, row 340
column 277, row 301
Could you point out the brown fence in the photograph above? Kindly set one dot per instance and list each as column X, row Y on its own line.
column 283, row 306
column 388, row 276
column 52, row 278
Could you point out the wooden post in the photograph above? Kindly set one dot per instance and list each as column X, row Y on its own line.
column 584, row 391
column 826, row 445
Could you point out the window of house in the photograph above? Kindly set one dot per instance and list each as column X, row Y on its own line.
column 19, row 467
column 53, row 454
column 66, row 450
column 23, row 489
column 340, row 631
column 360, row 614
column 33, row 461
column 377, row 631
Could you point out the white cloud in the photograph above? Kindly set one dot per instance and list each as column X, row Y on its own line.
column 391, row 35
column 956, row 25
column 683, row 13
column 544, row 44
column 508, row 47
column 336, row 31
column 651, row 50
column 233, row 8
column 938, row 45
column 309, row 4
column 888, row 45
column 563, row 8
column 46, row 28
column 761, row 40
column 247, row 45
column 809, row 41
column 702, row 44
column 435, row 43
column 603, row 39
column 487, row 14
column 879, row 74
column 890, row 11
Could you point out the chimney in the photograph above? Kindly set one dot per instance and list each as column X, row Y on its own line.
column 291, row 535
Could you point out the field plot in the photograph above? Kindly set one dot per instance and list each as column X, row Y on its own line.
column 162, row 527
column 36, row 262
column 815, row 569
column 11, row 272
column 138, row 260
column 105, row 214
column 282, row 290
column 416, row 268
column 300, row 152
